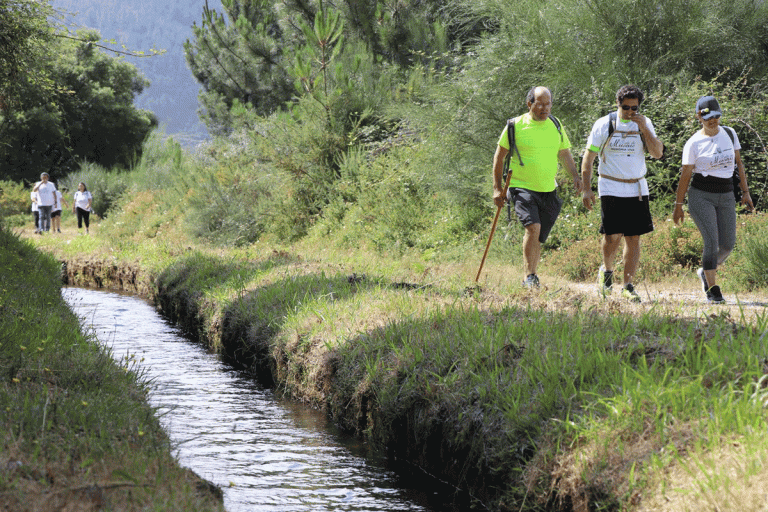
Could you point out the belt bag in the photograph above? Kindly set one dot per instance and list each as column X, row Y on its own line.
column 712, row 184
column 628, row 180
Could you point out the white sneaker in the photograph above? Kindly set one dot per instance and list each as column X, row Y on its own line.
column 704, row 284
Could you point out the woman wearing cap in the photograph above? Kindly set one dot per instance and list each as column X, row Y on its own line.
column 709, row 159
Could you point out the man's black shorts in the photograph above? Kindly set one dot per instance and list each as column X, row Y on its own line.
column 627, row 216
column 536, row 208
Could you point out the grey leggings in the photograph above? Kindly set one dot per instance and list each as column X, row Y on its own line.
column 715, row 216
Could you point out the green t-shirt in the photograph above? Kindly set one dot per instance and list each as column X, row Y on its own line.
column 539, row 143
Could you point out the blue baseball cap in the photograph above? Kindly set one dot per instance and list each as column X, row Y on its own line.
column 708, row 107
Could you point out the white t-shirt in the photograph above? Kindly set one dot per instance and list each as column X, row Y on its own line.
column 81, row 200
column 33, row 198
column 46, row 194
column 624, row 156
column 712, row 156
column 57, row 208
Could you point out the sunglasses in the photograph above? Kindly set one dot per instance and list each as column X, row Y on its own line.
column 627, row 107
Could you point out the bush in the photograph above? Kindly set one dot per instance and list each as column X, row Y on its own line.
column 755, row 249
column 14, row 199
column 105, row 186
column 670, row 248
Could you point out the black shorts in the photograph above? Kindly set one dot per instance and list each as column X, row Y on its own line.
column 536, row 208
column 626, row 216
column 57, row 213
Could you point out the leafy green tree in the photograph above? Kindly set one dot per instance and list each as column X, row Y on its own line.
column 24, row 35
column 88, row 116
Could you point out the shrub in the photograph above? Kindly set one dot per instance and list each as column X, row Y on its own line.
column 755, row 249
column 579, row 260
column 14, row 199
column 105, row 186
column 670, row 248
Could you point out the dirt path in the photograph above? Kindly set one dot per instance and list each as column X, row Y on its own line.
column 685, row 299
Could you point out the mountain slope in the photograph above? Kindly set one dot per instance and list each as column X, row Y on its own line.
column 144, row 24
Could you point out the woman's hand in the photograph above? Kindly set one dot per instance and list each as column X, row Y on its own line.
column 746, row 200
column 679, row 215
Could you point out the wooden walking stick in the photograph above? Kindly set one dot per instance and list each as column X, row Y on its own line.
column 508, row 169
column 493, row 227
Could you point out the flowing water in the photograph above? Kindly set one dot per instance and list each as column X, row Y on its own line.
column 267, row 453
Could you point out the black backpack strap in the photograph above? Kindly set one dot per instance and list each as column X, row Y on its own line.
column 736, row 176
column 729, row 131
column 612, row 123
column 512, row 148
column 557, row 125
column 611, row 128
column 511, row 141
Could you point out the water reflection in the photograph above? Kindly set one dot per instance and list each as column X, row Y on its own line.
column 267, row 454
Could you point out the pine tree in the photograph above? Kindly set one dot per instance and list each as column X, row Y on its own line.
column 239, row 58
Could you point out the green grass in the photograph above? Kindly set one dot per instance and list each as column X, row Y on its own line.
column 73, row 419
column 496, row 387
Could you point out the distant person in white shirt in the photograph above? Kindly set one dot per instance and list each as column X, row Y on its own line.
column 56, row 212
column 35, row 211
column 82, row 206
column 46, row 200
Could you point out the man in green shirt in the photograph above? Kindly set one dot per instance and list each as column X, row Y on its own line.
column 541, row 142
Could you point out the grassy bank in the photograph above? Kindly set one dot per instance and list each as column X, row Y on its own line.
column 78, row 433
column 554, row 400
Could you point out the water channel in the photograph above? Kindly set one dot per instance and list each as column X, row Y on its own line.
column 267, row 453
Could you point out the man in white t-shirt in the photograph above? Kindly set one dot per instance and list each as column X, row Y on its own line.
column 621, row 139
column 46, row 200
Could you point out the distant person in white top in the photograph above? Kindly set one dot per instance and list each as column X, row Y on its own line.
column 709, row 159
column 46, row 200
column 35, row 212
column 56, row 212
column 82, row 206
column 621, row 140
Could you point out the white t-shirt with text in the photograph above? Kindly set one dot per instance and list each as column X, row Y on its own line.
column 712, row 156
column 623, row 156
